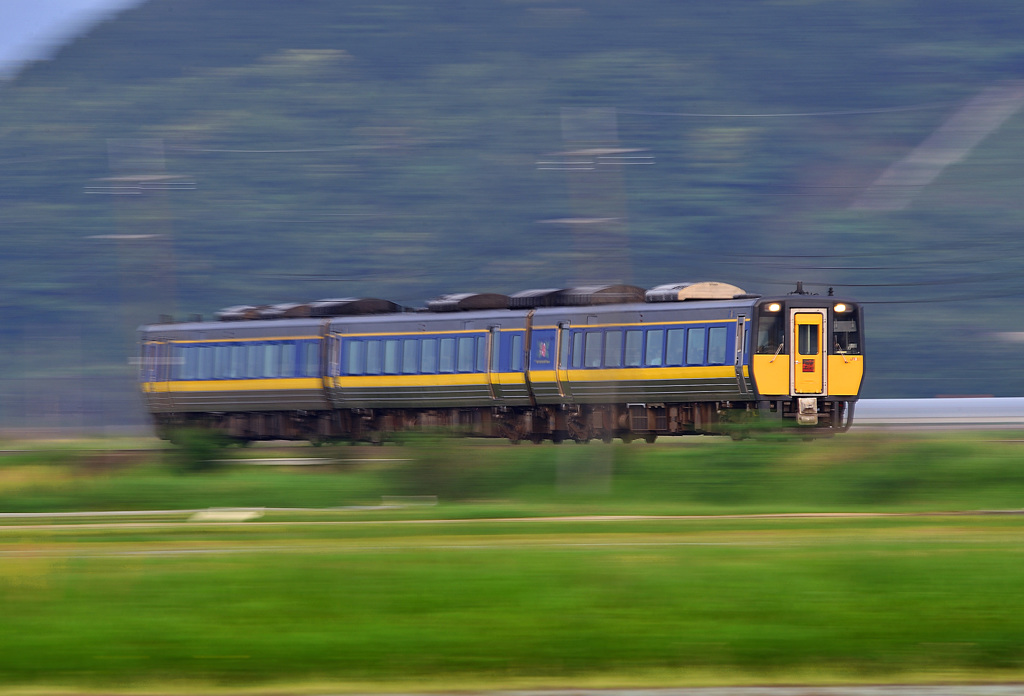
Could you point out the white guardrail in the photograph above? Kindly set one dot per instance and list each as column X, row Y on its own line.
column 987, row 411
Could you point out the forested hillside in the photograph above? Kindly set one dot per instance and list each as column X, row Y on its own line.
column 194, row 154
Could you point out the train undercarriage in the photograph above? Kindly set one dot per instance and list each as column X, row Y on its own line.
column 580, row 423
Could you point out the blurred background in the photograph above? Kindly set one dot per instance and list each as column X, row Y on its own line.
column 176, row 157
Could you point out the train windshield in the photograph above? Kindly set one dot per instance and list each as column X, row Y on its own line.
column 771, row 331
column 846, row 334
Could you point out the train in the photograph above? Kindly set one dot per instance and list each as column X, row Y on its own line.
column 594, row 362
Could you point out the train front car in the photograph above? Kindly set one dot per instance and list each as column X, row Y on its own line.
column 808, row 360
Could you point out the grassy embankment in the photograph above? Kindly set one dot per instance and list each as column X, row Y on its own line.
column 377, row 605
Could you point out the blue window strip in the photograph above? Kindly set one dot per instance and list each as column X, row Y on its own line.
column 435, row 354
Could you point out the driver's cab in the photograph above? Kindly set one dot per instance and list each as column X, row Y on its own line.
column 807, row 346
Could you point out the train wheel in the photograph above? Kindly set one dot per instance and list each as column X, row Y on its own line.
column 650, row 438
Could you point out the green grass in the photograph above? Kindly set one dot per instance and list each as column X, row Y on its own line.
column 473, row 478
column 669, row 602
column 398, row 599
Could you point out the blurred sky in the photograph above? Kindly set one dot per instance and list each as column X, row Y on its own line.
column 33, row 29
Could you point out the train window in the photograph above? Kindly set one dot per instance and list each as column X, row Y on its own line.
column 495, row 350
column 237, row 367
column 219, row 370
column 288, row 360
column 354, row 357
column 374, row 357
column 410, row 355
column 517, row 353
column 185, row 369
column 577, row 350
column 272, row 360
column 205, row 362
column 613, row 349
column 564, row 343
column 428, row 355
column 674, row 346
column 592, row 349
column 391, row 356
column 770, row 332
column 467, row 353
column 807, row 339
column 845, row 337
column 311, row 359
column 481, row 354
column 634, row 348
column 695, row 346
column 716, row 345
column 655, row 348
column 254, row 357
column 447, row 355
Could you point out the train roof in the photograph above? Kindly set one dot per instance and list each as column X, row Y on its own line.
column 469, row 310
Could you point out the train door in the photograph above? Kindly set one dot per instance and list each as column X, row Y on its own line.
column 494, row 363
column 741, row 342
column 330, row 368
column 562, row 369
column 808, row 346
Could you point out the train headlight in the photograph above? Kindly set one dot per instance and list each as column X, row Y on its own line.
column 840, row 308
column 774, row 307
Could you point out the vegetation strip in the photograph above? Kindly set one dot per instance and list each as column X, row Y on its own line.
column 676, row 602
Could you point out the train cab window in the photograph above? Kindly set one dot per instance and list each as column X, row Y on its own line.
column 695, row 346
column 717, row 336
column 354, row 357
column 674, row 342
column 467, row 353
column 410, row 356
column 577, row 350
column 634, row 348
column 770, row 332
column 517, row 353
column 845, row 336
column 447, row 354
column 428, row 355
column 592, row 349
column 613, row 349
column 391, row 356
column 655, row 348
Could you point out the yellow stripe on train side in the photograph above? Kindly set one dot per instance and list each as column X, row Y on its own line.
column 632, row 374
column 641, row 374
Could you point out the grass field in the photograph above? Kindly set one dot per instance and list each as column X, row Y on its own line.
column 402, row 600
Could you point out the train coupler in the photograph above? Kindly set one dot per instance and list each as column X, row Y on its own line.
column 807, row 411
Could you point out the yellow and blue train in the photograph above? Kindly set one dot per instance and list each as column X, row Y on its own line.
column 593, row 362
